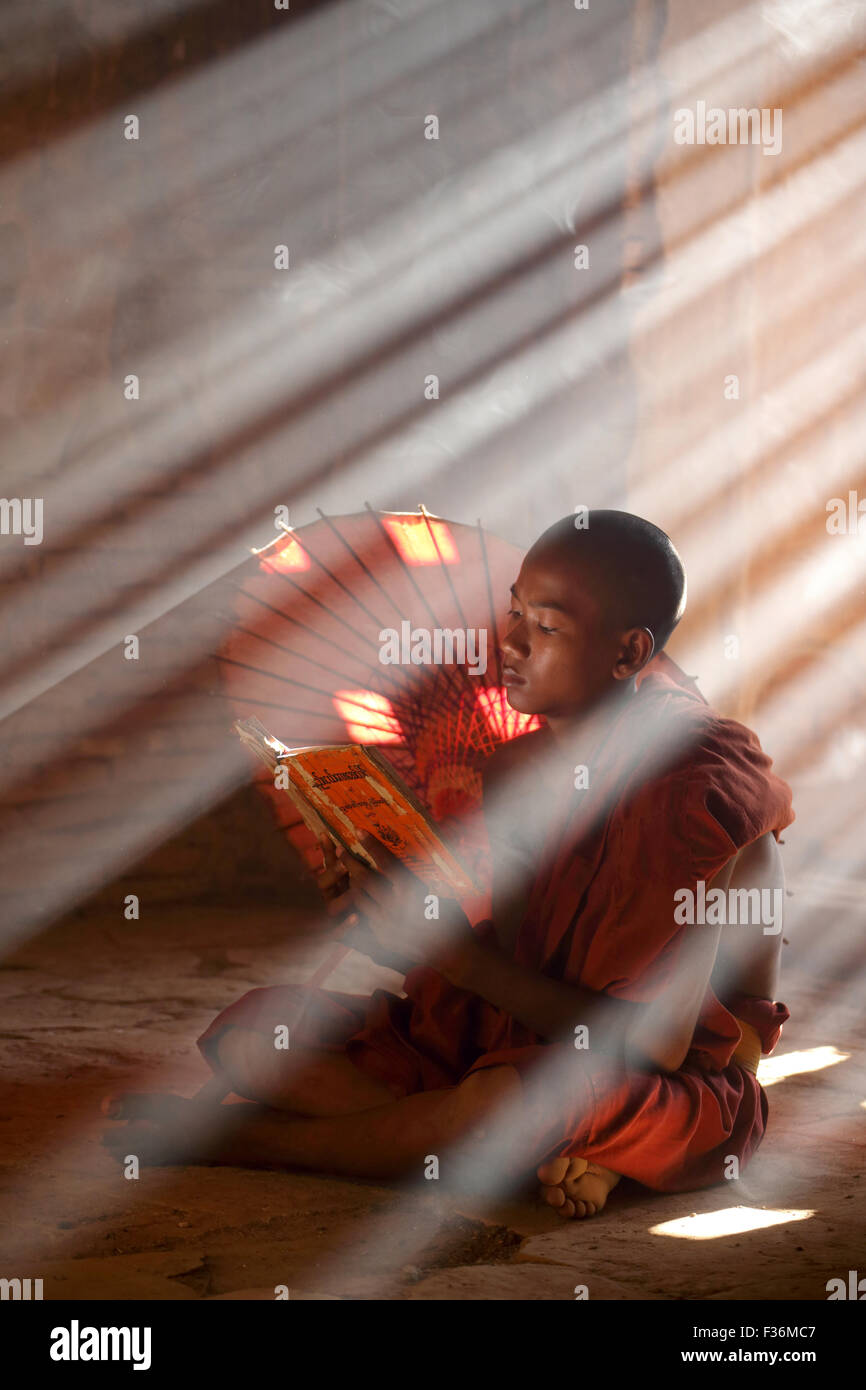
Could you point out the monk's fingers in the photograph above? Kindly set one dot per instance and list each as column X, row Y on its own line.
column 332, row 881
column 325, row 867
column 378, row 922
column 386, row 861
column 334, row 862
column 375, row 914
column 381, row 857
column 332, row 855
column 333, row 865
column 376, row 887
column 329, row 852
column 360, row 872
column 354, row 902
column 374, row 905
column 372, row 943
column 360, row 937
column 338, row 905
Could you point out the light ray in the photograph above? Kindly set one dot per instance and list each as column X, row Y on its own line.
column 730, row 1221
column 781, row 1067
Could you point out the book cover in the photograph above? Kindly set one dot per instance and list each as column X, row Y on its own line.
column 347, row 789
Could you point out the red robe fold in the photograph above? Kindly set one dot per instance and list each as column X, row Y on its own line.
column 675, row 792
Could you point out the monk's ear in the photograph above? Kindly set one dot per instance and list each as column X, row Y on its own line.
column 649, row 643
column 638, row 648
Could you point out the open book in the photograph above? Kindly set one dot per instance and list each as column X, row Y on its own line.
column 345, row 789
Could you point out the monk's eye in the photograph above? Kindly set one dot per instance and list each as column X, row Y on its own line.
column 542, row 628
column 513, row 613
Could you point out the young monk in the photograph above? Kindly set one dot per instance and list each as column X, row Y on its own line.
column 586, row 1030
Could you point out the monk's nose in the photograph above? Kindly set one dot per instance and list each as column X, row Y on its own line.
column 513, row 646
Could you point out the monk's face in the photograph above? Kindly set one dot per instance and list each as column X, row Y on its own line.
column 559, row 652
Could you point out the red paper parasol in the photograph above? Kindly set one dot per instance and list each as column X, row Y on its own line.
column 313, row 613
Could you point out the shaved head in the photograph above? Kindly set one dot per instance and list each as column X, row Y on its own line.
column 631, row 567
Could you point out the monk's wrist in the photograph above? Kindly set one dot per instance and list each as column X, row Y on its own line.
column 465, row 966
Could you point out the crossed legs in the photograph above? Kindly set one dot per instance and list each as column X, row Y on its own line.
column 315, row 1109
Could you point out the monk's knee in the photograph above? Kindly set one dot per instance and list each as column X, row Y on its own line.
column 246, row 1059
column 485, row 1106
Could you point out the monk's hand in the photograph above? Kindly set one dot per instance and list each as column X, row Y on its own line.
column 332, row 879
column 403, row 919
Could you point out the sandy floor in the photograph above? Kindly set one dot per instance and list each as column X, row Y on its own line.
column 95, row 1006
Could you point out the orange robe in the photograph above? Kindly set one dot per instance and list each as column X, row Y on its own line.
column 601, row 915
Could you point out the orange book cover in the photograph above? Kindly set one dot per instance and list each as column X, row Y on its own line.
column 346, row 789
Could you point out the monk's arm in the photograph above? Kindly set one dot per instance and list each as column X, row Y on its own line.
column 550, row 1008
column 654, row 1035
column 736, row 957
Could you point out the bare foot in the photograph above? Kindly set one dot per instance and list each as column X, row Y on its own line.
column 161, row 1107
column 163, row 1128
column 574, row 1187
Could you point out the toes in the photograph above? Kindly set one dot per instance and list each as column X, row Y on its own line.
column 158, row 1107
column 554, row 1196
column 553, row 1172
column 112, row 1107
column 586, row 1198
column 566, row 1185
column 129, row 1105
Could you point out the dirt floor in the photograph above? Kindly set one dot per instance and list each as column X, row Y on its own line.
column 95, row 1006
